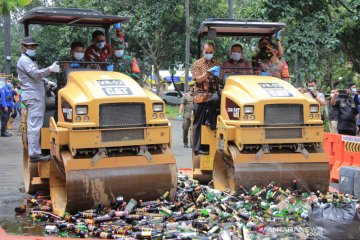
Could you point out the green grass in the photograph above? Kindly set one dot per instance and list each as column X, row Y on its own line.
column 326, row 125
column 172, row 111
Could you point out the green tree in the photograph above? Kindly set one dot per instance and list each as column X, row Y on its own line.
column 322, row 34
column 6, row 6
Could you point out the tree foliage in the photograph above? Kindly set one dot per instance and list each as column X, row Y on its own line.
column 9, row 5
column 321, row 35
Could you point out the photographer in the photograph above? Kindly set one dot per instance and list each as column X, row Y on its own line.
column 347, row 107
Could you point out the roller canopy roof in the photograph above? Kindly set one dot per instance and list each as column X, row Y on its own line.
column 233, row 27
column 70, row 17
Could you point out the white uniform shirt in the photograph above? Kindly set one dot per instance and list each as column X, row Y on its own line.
column 31, row 78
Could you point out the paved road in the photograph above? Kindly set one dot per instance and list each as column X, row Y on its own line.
column 11, row 175
column 11, row 178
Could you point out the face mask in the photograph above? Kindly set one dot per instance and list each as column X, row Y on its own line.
column 311, row 88
column 331, row 95
column 30, row 52
column 78, row 55
column 236, row 56
column 100, row 45
column 208, row 56
column 119, row 53
column 9, row 85
column 353, row 90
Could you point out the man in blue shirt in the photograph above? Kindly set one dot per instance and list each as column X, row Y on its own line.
column 7, row 99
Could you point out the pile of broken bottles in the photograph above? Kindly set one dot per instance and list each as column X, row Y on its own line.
column 198, row 212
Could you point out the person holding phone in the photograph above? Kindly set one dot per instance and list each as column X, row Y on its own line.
column 347, row 106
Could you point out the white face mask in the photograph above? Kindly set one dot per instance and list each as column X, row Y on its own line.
column 119, row 53
column 236, row 56
column 208, row 56
column 78, row 55
column 100, row 45
column 331, row 95
column 9, row 84
column 30, row 52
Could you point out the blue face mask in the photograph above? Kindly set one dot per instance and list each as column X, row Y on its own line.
column 311, row 88
column 119, row 53
column 30, row 52
column 353, row 90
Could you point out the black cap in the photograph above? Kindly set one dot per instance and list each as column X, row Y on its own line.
column 29, row 41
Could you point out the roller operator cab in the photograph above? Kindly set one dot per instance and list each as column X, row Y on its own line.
column 266, row 130
column 107, row 136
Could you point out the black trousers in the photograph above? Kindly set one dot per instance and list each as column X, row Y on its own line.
column 4, row 118
column 186, row 127
column 347, row 132
column 199, row 118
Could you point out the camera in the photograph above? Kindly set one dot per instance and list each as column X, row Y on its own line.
column 343, row 93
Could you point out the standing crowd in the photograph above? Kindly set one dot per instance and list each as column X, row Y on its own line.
column 10, row 105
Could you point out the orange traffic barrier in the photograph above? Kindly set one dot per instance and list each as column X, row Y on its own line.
column 342, row 150
column 187, row 171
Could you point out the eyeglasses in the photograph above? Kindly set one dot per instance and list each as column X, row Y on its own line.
column 33, row 47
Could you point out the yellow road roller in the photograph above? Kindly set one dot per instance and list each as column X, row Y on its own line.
column 107, row 136
column 266, row 129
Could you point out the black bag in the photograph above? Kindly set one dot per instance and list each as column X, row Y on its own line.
column 334, row 222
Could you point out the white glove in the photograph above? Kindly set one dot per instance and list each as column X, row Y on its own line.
column 53, row 84
column 54, row 67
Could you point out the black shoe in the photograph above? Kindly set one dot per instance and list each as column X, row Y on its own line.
column 39, row 158
column 202, row 152
column 6, row 134
column 207, row 122
column 213, row 126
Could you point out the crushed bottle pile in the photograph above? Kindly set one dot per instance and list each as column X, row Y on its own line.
column 198, row 212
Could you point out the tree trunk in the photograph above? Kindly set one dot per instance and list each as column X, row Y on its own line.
column 349, row 52
column 298, row 79
column 187, row 45
column 230, row 9
column 157, row 77
column 7, row 51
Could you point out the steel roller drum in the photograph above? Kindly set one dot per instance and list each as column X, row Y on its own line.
column 131, row 177
column 242, row 170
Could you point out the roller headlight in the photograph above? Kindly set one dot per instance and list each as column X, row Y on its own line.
column 81, row 110
column 158, row 107
column 314, row 108
column 249, row 109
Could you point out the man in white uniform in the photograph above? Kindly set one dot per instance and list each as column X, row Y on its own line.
column 33, row 95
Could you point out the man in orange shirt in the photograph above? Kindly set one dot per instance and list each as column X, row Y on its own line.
column 98, row 51
column 204, row 94
column 237, row 60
